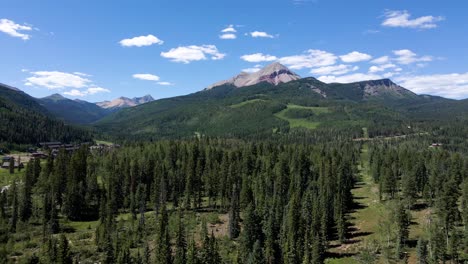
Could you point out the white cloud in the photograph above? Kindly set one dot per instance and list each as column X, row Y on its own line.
column 95, row 90
column 75, row 92
column 165, row 83
column 381, row 60
column 454, row 85
column 381, row 68
column 187, row 54
column 258, row 57
column 260, row 34
column 356, row 77
column 57, row 80
column 355, row 56
column 310, row 59
column 402, row 19
column 229, row 29
column 406, row 56
column 334, row 70
column 228, row 36
column 256, row 68
column 146, row 76
column 141, row 41
column 89, row 91
column 11, row 28
column 82, row 74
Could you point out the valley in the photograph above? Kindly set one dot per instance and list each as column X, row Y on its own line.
column 284, row 170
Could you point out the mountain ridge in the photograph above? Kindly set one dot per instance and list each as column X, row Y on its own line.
column 274, row 73
column 124, row 102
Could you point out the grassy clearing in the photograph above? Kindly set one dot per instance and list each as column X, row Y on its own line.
column 365, row 217
column 246, row 102
column 6, row 178
column 318, row 110
column 302, row 122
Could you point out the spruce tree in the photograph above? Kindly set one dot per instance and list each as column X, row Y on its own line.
column 163, row 241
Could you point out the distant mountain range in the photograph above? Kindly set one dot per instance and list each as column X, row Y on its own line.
column 272, row 100
column 123, row 102
column 276, row 100
column 83, row 112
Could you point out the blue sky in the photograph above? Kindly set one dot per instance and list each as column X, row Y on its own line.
column 99, row 50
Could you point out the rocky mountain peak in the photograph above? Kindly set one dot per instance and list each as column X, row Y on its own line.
column 274, row 73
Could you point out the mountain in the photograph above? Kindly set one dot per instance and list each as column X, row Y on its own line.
column 9, row 87
column 281, row 105
column 25, row 121
column 21, row 99
column 274, row 73
column 123, row 102
column 73, row 111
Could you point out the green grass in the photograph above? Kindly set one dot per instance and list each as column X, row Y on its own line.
column 302, row 122
column 104, row 142
column 346, row 260
column 6, row 178
column 246, row 102
column 318, row 110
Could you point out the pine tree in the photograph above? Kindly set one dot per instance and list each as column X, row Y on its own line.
column 256, row 256
column 26, row 203
column 251, row 233
column 192, row 256
column 422, row 251
column 11, row 166
column 63, row 251
column 163, row 241
column 234, row 215
column 181, row 243
column 14, row 205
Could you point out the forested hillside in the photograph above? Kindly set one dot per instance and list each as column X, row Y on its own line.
column 73, row 111
column 382, row 106
column 25, row 122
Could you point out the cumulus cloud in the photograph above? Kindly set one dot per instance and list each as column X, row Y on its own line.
column 228, row 33
column 355, row 56
column 146, row 76
column 15, row 30
column 355, row 77
column 406, row 56
column 187, row 54
column 57, row 80
column 454, row 85
column 89, row 91
column 334, row 70
column 381, row 60
column 228, row 36
column 381, row 68
column 141, row 41
column 258, row 57
column 229, row 29
column 402, row 19
column 260, row 34
column 310, row 59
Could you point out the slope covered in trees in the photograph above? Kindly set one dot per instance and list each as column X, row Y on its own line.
column 73, row 111
column 24, row 122
column 380, row 105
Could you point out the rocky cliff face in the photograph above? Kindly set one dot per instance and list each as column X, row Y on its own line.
column 274, row 73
